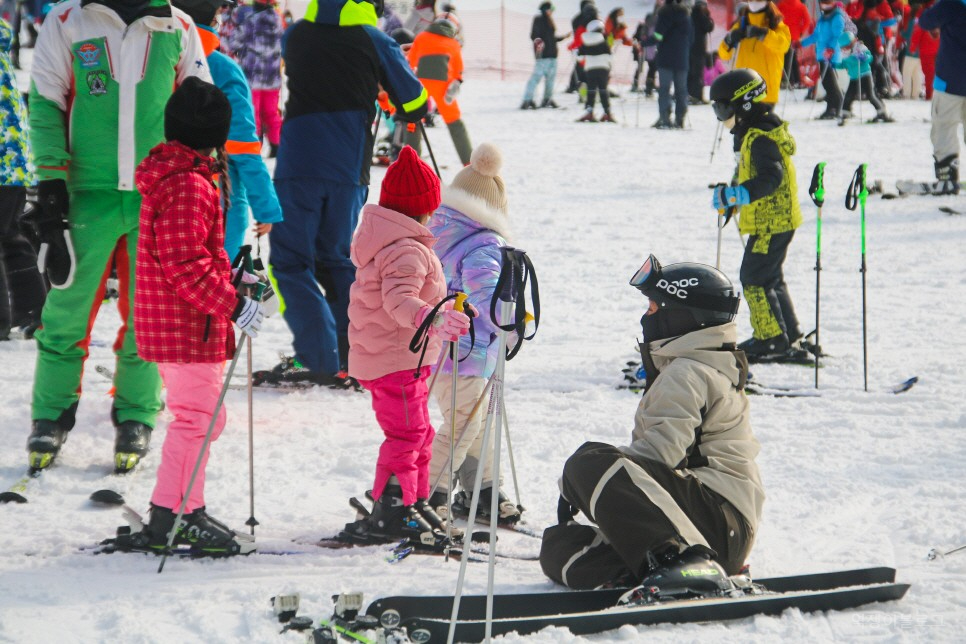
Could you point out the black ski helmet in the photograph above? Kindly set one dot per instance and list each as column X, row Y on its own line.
column 737, row 93
column 202, row 11
column 689, row 297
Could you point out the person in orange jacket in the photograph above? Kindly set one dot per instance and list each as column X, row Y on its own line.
column 436, row 57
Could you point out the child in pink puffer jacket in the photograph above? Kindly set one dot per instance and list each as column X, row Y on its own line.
column 398, row 282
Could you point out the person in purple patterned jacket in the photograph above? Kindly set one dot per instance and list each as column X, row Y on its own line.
column 256, row 43
column 470, row 226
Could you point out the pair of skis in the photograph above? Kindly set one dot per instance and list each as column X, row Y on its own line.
column 427, row 619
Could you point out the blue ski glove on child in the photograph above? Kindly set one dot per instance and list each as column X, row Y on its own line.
column 729, row 197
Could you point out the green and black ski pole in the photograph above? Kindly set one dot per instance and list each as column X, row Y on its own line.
column 817, row 192
column 857, row 195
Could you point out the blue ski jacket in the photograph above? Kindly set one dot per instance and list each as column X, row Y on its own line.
column 949, row 17
column 335, row 60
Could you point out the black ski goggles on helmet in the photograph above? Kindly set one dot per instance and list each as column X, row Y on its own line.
column 723, row 111
column 647, row 275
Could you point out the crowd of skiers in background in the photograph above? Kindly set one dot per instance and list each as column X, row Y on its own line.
column 879, row 44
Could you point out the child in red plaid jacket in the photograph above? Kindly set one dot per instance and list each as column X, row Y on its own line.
column 184, row 302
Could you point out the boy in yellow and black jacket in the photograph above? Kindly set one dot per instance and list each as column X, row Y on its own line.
column 765, row 189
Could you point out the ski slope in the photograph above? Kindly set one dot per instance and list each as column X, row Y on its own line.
column 852, row 478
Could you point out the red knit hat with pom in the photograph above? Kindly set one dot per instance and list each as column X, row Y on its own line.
column 410, row 186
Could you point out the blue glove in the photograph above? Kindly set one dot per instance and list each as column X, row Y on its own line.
column 729, row 197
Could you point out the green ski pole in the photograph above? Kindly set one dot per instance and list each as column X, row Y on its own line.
column 817, row 192
column 857, row 195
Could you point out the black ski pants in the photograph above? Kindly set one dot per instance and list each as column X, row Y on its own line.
column 763, row 282
column 597, row 80
column 641, row 508
column 22, row 288
column 833, row 95
column 696, row 75
column 862, row 89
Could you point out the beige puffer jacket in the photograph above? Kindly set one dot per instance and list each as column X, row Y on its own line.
column 696, row 390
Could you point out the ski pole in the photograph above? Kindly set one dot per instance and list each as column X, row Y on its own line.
column 454, row 347
column 432, row 157
column 724, row 216
column 257, row 292
column 484, row 395
column 857, row 195
column 817, row 192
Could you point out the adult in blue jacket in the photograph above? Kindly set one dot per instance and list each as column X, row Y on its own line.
column 335, row 58
column 949, row 90
column 251, row 185
column 825, row 37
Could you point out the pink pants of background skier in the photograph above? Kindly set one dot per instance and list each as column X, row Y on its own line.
column 267, row 114
column 401, row 403
column 193, row 389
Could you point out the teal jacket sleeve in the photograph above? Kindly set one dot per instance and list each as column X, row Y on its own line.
column 243, row 146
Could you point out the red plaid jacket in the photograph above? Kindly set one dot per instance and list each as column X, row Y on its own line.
column 183, row 297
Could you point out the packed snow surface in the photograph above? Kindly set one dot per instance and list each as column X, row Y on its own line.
column 853, row 478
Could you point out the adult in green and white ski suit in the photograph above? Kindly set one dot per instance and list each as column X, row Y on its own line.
column 103, row 71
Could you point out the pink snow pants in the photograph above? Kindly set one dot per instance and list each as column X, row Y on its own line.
column 193, row 390
column 401, row 403
column 267, row 114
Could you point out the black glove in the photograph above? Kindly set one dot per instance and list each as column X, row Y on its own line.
column 565, row 511
column 732, row 38
column 56, row 257
column 755, row 32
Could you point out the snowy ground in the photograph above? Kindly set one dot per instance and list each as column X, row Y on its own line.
column 852, row 478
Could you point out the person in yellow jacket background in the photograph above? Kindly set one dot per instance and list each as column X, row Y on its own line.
column 759, row 39
column 436, row 57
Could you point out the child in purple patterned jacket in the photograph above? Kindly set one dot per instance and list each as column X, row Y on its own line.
column 256, row 43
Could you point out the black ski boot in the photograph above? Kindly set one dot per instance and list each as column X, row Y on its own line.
column 291, row 373
column 391, row 521
column 198, row 535
column 131, row 441
column 428, row 511
column 764, row 350
column 508, row 512
column 947, row 176
column 692, row 573
column 46, row 438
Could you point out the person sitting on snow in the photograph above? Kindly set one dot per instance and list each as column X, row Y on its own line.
column 685, row 496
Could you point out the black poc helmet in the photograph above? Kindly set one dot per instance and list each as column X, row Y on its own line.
column 737, row 93
column 202, row 11
column 689, row 297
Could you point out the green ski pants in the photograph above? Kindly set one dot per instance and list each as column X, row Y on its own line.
column 104, row 231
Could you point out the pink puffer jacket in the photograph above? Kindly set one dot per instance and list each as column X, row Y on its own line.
column 397, row 274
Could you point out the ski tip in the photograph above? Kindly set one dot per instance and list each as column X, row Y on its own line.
column 12, row 497
column 107, row 497
column 905, row 385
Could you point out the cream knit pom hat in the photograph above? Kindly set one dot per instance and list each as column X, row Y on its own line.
column 481, row 178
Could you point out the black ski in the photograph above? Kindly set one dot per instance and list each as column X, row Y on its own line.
column 755, row 388
column 663, row 612
column 577, row 601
